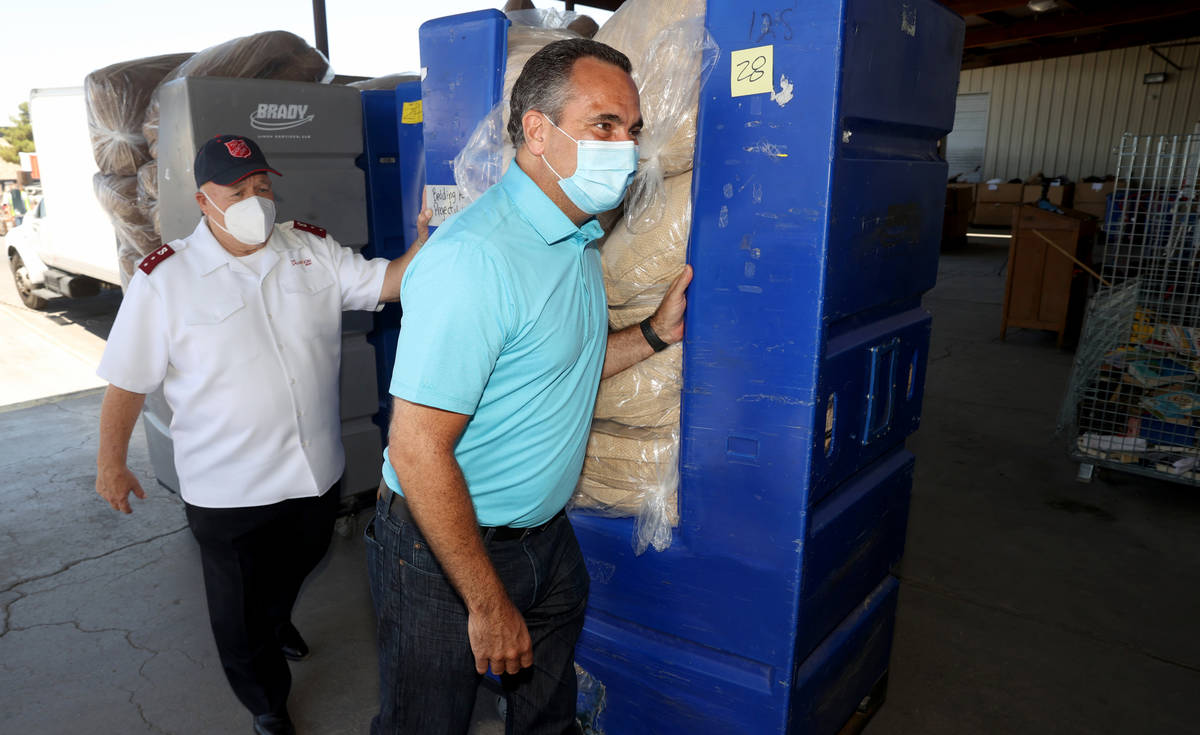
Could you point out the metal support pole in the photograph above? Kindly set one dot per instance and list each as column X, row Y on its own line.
column 321, row 27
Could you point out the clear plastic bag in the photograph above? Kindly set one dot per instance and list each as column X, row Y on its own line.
column 639, row 265
column 633, row 471
column 590, row 700
column 486, row 156
column 386, row 82
column 655, row 36
column 118, row 197
column 116, row 98
column 645, row 395
column 488, row 152
column 631, row 466
column 135, row 231
column 147, row 193
column 583, row 25
column 269, row 55
column 147, row 181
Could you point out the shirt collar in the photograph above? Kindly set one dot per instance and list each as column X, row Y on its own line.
column 210, row 254
column 543, row 214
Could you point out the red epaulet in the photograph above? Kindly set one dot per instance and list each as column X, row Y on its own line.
column 151, row 261
column 306, row 227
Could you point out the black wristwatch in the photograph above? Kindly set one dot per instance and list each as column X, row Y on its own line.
column 652, row 339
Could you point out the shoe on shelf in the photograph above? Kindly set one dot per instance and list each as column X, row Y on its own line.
column 274, row 724
column 293, row 646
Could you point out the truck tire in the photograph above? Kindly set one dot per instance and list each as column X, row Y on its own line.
column 23, row 284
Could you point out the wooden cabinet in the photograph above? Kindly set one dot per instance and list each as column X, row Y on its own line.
column 1046, row 289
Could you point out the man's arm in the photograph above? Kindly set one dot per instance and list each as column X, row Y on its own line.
column 421, row 444
column 395, row 270
column 628, row 347
column 118, row 415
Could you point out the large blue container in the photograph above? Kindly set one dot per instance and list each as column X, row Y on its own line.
column 816, row 228
column 394, row 161
column 463, row 57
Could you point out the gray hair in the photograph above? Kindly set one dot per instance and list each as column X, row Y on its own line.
column 545, row 82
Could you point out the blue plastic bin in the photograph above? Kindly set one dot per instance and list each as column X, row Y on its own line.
column 816, row 228
column 394, row 162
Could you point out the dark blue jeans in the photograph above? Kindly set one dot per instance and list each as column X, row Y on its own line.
column 427, row 679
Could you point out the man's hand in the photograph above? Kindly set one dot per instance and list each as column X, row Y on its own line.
column 667, row 321
column 500, row 640
column 114, row 483
column 118, row 414
column 423, row 220
column 421, row 442
column 629, row 346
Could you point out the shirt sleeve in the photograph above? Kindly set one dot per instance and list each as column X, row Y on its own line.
column 136, row 353
column 456, row 321
column 361, row 280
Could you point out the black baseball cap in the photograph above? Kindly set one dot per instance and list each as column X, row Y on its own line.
column 227, row 159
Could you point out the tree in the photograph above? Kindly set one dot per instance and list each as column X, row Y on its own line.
column 19, row 135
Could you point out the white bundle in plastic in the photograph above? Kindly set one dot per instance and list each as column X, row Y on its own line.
column 638, row 266
column 632, row 460
column 136, row 235
column 632, row 471
column 116, row 98
column 656, row 36
column 645, row 395
column 386, row 82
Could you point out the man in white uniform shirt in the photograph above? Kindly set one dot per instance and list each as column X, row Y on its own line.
column 240, row 323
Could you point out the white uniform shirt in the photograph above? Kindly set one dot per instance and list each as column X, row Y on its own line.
column 248, row 363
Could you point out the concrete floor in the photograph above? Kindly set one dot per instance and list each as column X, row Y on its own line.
column 1029, row 603
column 51, row 352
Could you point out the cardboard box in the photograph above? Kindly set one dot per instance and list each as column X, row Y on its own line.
column 1092, row 197
column 1059, row 196
column 1099, row 210
column 994, row 213
column 960, row 197
column 1009, row 193
column 1091, row 193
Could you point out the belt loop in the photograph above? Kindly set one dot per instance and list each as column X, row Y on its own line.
column 487, row 535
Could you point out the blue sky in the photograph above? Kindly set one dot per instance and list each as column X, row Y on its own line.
column 56, row 43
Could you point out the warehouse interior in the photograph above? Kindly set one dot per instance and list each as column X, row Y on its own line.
column 1054, row 521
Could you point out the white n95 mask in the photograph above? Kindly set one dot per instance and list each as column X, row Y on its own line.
column 603, row 170
column 249, row 221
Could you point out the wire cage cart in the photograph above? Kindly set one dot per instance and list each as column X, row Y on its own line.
column 1133, row 401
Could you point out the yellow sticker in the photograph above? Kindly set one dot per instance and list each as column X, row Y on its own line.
column 411, row 113
column 750, row 71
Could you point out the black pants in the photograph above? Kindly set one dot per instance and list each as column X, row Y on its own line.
column 255, row 560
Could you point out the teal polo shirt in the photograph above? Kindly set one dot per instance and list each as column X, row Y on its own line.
column 505, row 320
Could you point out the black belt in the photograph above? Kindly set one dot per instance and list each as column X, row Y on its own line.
column 398, row 508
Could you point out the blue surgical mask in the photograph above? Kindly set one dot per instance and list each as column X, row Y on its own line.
column 603, row 170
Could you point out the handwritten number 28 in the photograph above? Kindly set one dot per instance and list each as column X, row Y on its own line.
column 751, row 70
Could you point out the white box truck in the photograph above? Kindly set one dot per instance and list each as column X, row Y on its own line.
column 67, row 244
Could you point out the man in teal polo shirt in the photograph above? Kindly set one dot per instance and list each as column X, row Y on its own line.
column 505, row 338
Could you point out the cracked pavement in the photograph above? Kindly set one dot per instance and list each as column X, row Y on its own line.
column 103, row 622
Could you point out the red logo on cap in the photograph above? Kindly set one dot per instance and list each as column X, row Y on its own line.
column 237, row 148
